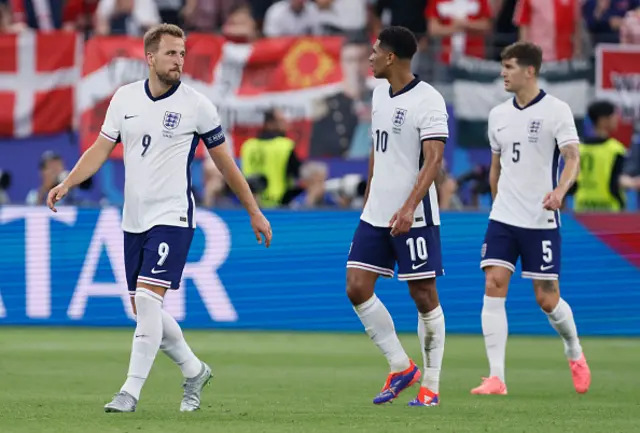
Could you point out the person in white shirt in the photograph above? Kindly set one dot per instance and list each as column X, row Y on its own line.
column 292, row 18
column 400, row 222
column 160, row 122
column 528, row 134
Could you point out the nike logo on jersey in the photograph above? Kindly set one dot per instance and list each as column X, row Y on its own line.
column 129, row 117
column 545, row 268
column 159, row 271
column 414, row 267
column 500, row 129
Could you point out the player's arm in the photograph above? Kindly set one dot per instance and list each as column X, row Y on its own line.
column 93, row 158
column 210, row 131
column 567, row 140
column 369, row 177
column 494, row 174
column 433, row 151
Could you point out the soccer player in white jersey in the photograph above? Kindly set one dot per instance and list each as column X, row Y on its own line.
column 159, row 122
column 400, row 222
column 528, row 133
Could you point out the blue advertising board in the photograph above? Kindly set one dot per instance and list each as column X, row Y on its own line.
column 67, row 269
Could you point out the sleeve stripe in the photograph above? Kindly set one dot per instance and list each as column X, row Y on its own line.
column 569, row 141
column 434, row 135
column 108, row 137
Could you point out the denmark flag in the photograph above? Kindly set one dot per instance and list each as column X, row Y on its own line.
column 38, row 76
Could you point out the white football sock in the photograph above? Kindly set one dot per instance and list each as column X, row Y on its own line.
column 561, row 318
column 146, row 341
column 431, row 332
column 495, row 330
column 175, row 347
column 379, row 326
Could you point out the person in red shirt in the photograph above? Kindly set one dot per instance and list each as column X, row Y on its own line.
column 551, row 24
column 462, row 25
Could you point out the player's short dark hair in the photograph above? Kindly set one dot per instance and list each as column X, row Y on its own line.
column 599, row 109
column 525, row 53
column 399, row 40
column 153, row 35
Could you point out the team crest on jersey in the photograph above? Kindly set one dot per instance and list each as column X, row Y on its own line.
column 399, row 116
column 535, row 125
column 171, row 120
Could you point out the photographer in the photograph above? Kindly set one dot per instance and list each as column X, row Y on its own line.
column 52, row 172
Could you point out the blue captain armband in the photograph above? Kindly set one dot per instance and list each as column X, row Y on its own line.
column 213, row 138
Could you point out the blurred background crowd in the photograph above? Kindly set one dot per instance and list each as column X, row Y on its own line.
column 333, row 171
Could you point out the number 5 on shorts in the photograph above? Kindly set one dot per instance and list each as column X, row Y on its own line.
column 163, row 252
column 547, row 253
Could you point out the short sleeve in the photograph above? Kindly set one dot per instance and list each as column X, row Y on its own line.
column 208, row 124
column 112, row 120
column 565, row 131
column 522, row 13
column 432, row 119
column 495, row 147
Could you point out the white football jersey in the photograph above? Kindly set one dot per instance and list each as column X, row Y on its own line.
column 529, row 140
column 399, row 124
column 159, row 138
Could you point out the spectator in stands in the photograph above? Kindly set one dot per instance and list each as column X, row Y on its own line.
column 604, row 18
column 44, row 15
column 6, row 22
column 554, row 25
column 313, row 176
column 292, row 18
column 208, row 15
column 409, row 14
column 504, row 31
column 630, row 27
column 342, row 125
column 461, row 26
column 342, row 16
column 240, row 25
column 632, row 167
column 130, row 17
column 270, row 157
column 51, row 168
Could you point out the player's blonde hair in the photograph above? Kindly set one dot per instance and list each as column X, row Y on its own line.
column 154, row 34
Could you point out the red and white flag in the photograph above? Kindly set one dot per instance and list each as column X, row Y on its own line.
column 38, row 75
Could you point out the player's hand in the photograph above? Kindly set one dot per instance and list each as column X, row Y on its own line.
column 56, row 194
column 401, row 221
column 261, row 227
column 553, row 200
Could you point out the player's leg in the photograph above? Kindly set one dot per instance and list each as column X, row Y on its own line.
column 541, row 261
column 371, row 255
column 419, row 263
column 499, row 257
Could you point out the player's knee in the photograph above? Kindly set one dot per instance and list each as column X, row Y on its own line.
column 495, row 284
column 359, row 287
column 424, row 294
column 547, row 294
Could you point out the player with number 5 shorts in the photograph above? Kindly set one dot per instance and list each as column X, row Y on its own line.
column 159, row 123
column 400, row 223
column 528, row 134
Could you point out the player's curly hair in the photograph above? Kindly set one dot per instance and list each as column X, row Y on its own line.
column 153, row 35
column 525, row 53
column 400, row 41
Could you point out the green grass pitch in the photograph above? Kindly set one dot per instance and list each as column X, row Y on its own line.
column 57, row 380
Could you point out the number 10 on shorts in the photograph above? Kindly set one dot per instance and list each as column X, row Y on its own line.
column 417, row 248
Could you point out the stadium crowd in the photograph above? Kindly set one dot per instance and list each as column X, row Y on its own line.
column 445, row 29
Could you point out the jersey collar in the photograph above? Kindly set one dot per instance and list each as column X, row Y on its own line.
column 413, row 83
column 165, row 95
column 533, row 101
